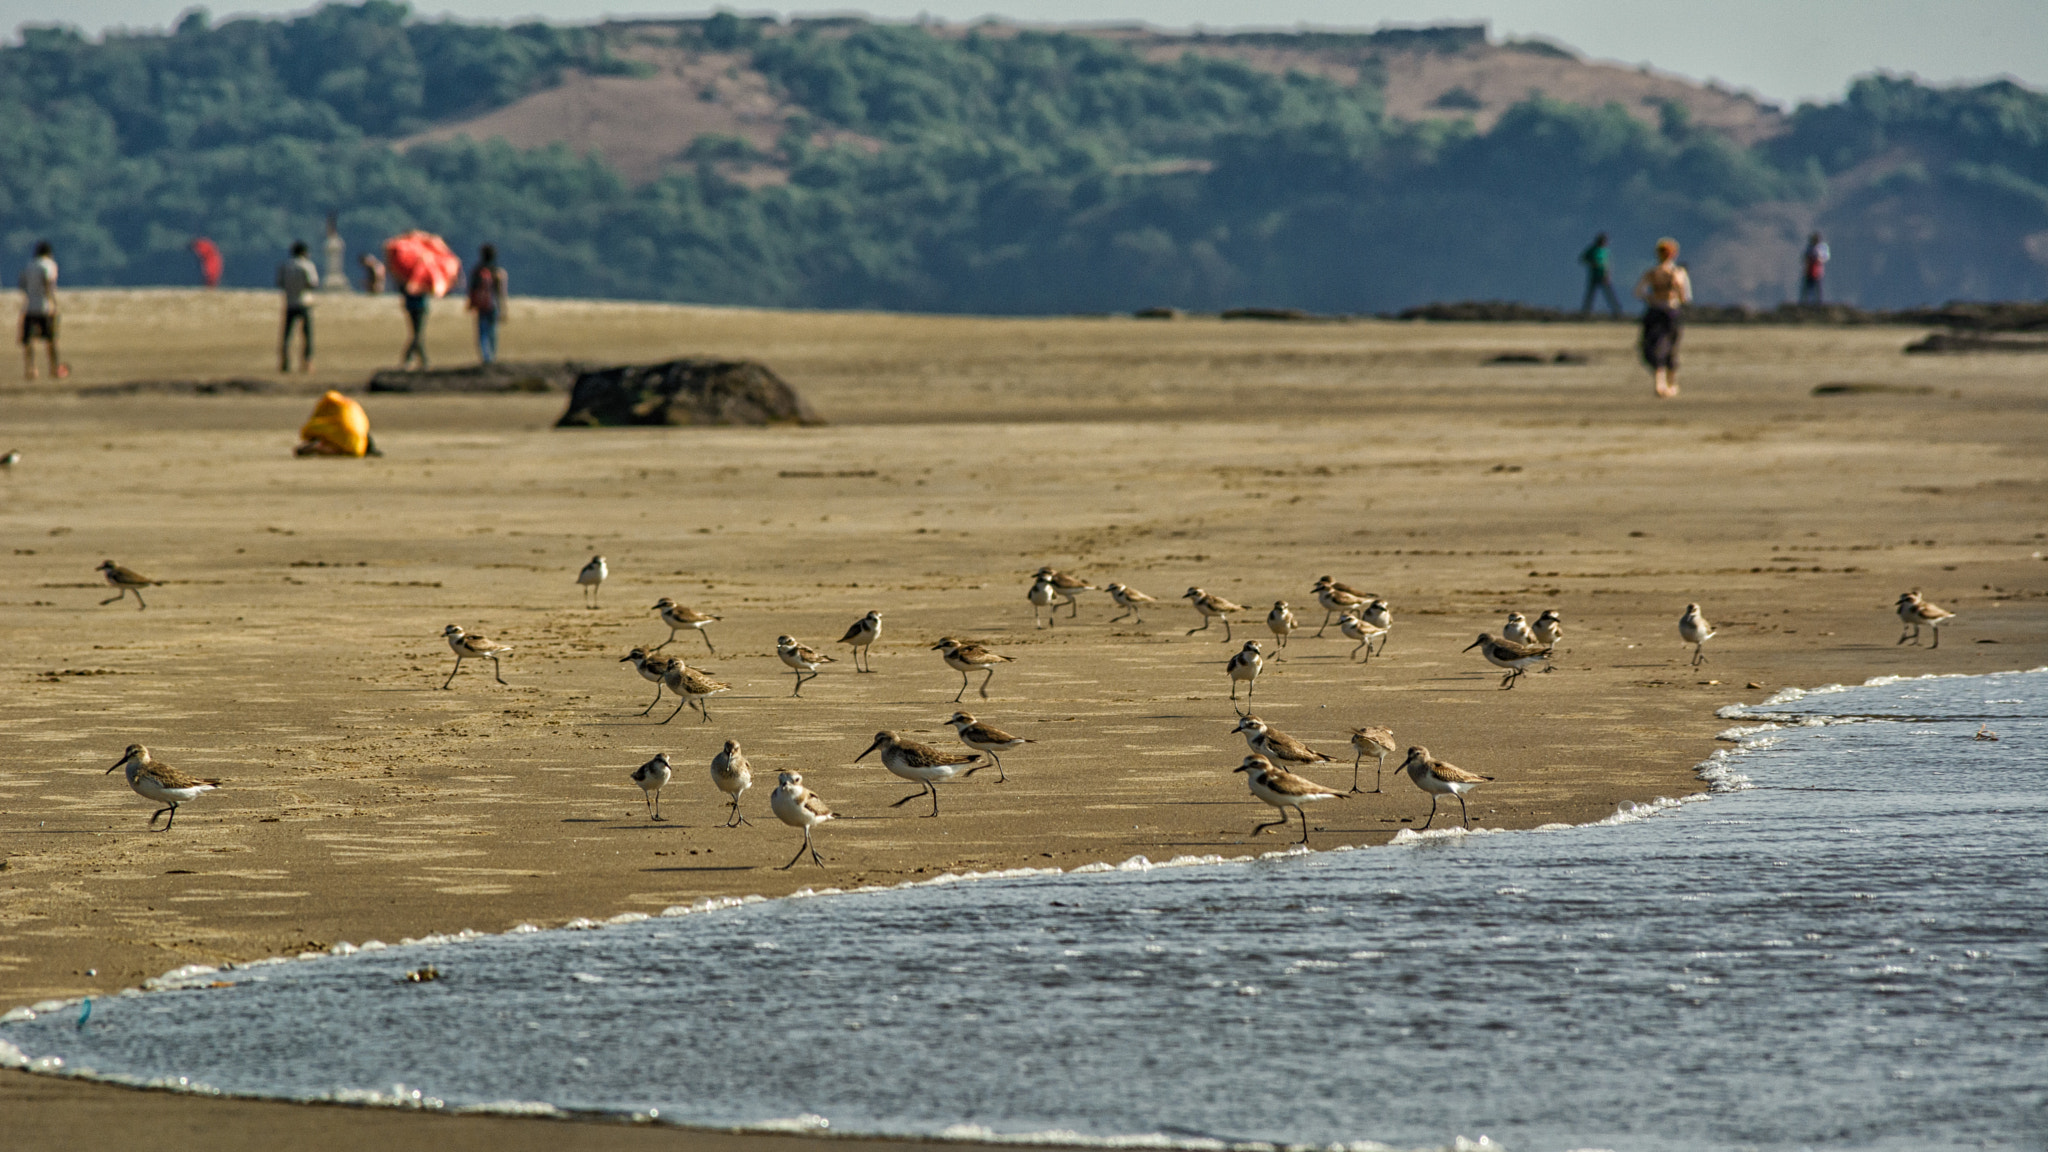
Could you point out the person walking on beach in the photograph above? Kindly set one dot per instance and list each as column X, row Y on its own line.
column 373, row 274
column 1598, row 278
column 489, row 292
column 1664, row 289
column 416, row 319
column 1813, row 265
column 297, row 278
column 39, row 311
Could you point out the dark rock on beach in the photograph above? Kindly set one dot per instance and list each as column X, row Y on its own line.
column 1956, row 342
column 232, row 387
column 685, row 392
column 504, row 376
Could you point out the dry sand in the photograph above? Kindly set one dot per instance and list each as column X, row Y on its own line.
column 294, row 648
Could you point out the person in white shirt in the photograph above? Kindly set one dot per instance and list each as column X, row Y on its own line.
column 298, row 278
column 39, row 312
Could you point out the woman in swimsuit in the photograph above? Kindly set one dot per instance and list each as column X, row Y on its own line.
column 1663, row 290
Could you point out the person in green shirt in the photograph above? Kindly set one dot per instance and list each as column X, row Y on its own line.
column 1597, row 277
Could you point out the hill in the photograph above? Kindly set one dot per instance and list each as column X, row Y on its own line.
column 997, row 168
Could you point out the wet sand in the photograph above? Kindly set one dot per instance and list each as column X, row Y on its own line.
column 294, row 649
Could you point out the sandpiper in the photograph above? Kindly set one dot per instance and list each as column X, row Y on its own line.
column 1283, row 790
column 678, row 618
column 1518, row 631
column 1374, row 740
column 1280, row 622
column 1440, row 779
column 986, row 738
column 1915, row 611
column 1066, row 587
column 800, row 660
column 1509, row 655
column 1380, row 616
column 798, row 807
column 694, row 687
column 652, row 777
column 1245, row 666
column 1549, row 627
column 1276, row 745
column 1356, row 629
column 591, row 578
column 1212, row 608
column 965, row 658
column 1043, row 596
column 1694, row 630
column 10, row 460
column 653, row 669
column 160, row 783
column 1130, row 600
column 1336, row 597
column 862, row 635
column 733, row 776
column 922, row 763
column 126, row 579
column 467, row 644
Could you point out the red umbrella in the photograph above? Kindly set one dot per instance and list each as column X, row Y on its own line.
column 422, row 263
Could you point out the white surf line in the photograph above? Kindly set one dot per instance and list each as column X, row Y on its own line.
column 1717, row 771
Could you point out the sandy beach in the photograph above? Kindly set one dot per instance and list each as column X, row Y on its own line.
column 293, row 649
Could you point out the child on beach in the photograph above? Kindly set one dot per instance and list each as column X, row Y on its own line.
column 1664, row 289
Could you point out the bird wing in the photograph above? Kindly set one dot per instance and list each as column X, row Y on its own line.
column 1288, row 784
column 1455, row 774
column 170, row 777
column 1521, row 651
column 816, row 807
column 1294, row 749
column 1222, row 605
column 858, row 628
column 987, row 735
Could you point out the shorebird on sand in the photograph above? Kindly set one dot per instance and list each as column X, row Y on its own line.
column 653, row 669
column 592, row 578
column 467, row 644
column 1915, row 611
column 1066, row 587
column 1043, row 596
column 1357, row 629
column 127, row 580
column 1130, row 600
column 862, row 635
column 678, row 618
column 1337, row 597
column 733, row 776
column 800, row 660
column 1509, row 655
column 1517, row 630
column 694, row 687
column 652, row 777
column 986, row 738
column 966, row 658
column 1381, row 617
column 1212, row 608
column 160, row 783
column 1375, row 741
column 799, row 807
column 1439, row 780
column 1283, row 790
column 1277, row 746
column 1245, row 666
column 1280, row 622
column 1549, row 627
column 1694, row 630
column 922, row 763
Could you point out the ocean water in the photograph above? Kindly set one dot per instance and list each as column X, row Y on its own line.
column 1845, row 947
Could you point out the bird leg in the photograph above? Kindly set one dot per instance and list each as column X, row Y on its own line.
column 451, row 675
column 1361, row 644
column 1304, row 822
column 495, row 672
column 984, row 683
column 1226, row 629
column 172, row 809
column 1258, row 828
column 707, row 641
column 679, row 709
column 1206, row 621
column 799, row 689
column 1699, row 656
column 916, row 795
column 1433, row 798
column 1326, row 623
column 704, row 709
column 1930, row 648
column 1001, row 776
column 653, row 702
column 140, row 603
column 123, row 594
column 800, row 852
column 1464, row 813
column 734, row 818
column 1377, row 771
column 1355, row 762
column 963, row 688
column 665, row 643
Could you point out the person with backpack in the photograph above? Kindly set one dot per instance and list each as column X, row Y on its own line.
column 1598, row 279
column 488, row 294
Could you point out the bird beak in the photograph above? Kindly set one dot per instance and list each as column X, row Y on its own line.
column 625, row 659
column 117, row 764
column 871, row 748
column 1240, row 768
column 1469, row 647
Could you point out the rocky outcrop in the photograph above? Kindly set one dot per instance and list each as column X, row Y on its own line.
column 685, row 392
column 504, row 376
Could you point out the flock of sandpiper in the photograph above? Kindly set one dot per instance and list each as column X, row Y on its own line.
column 1269, row 768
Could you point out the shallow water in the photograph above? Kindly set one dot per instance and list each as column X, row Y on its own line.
column 1851, row 954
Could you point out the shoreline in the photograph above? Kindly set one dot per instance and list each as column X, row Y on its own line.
column 295, row 652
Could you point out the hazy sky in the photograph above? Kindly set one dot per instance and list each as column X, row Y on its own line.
column 1781, row 49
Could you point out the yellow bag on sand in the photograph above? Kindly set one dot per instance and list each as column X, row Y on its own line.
column 339, row 427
